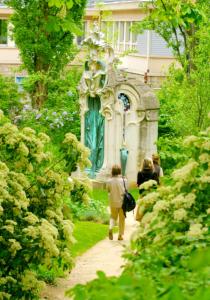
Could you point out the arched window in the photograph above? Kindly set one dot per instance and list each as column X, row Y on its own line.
column 125, row 100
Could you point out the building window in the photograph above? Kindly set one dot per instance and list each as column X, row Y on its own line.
column 125, row 100
column 19, row 81
column 119, row 35
column 2, row 3
column 3, row 32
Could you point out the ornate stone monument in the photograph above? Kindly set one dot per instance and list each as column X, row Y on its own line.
column 119, row 114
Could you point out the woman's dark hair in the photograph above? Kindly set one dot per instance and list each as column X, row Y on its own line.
column 116, row 170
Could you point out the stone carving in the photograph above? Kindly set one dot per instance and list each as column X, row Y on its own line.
column 94, row 78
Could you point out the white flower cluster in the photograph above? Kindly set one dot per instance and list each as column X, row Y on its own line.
column 161, row 205
column 180, row 214
column 185, row 172
column 149, row 199
column 196, row 230
column 148, row 184
column 148, row 217
column 184, row 201
column 49, row 234
column 71, row 142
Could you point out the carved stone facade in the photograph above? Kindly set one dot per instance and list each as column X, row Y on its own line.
column 134, row 128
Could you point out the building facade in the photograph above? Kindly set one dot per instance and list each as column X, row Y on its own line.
column 143, row 55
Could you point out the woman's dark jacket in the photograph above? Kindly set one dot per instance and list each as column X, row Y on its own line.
column 146, row 175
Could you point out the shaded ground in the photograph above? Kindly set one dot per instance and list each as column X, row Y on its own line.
column 104, row 256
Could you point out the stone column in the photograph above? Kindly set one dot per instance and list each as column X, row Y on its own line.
column 152, row 131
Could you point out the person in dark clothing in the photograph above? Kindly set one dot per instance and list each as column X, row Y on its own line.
column 147, row 172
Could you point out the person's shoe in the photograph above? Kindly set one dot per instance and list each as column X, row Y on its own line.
column 110, row 235
column 120, row 238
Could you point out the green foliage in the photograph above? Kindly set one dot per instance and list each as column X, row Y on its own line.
column 60, row 112
column 81, row 190
column 88, row 205
column 33, row 228
column 44, row 32
column 93, row 210
column 184, row 100
column 74, row 153
column 138, row 287
column 177, row 23
column 49, row 275
column 169, row 254
column 9, row 96
column 100, row 195
column 184, row 95
column 172, row 153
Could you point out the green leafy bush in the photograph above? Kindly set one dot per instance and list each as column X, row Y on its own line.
column 9, row 96
column 81, row 190
column 172, row 153
column 60, row 112
column 93, row 210
column 33, row 229
column 83, row 206
column 169, row 254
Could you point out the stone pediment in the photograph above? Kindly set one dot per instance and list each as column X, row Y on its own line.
column 145, row 93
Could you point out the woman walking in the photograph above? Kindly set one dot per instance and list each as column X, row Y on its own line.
column 156, row 163
column 147, row 172
column 116, row 190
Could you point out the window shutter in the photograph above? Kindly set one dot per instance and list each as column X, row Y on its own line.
column 159, row 46
column 142, row 43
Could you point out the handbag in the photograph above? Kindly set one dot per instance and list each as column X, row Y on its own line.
column 129, row 202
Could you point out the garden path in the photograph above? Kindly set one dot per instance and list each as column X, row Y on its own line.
column 105, row 256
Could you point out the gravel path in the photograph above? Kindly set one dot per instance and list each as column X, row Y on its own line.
column 104, row 256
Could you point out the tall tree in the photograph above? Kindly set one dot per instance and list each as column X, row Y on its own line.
column 44, row 31
column 177, row 22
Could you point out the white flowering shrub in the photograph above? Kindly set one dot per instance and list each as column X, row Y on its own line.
column 176, row 221
column 80, row 192
column 74, row 153
column 169, row 256
column 33, row 229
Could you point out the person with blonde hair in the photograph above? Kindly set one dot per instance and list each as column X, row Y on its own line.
column 156, row 163
column 116, row 190
column 147, row 172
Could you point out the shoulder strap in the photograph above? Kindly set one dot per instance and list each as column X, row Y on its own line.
column 124, row 184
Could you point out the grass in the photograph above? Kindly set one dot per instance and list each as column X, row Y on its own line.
column 102, row 195
column 87, row 235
